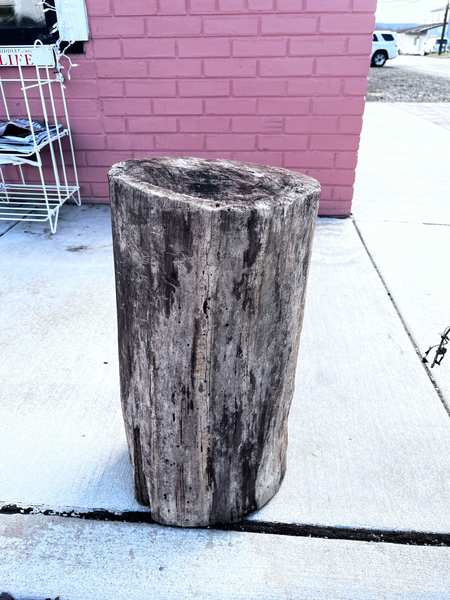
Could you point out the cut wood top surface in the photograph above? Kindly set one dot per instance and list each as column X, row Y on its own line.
column 215, row 183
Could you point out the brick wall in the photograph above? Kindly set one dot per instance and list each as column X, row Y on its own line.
column 275, row 82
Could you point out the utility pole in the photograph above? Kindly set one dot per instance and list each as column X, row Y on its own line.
column 443, row 28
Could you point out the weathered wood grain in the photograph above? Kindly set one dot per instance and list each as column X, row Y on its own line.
column 211, row 263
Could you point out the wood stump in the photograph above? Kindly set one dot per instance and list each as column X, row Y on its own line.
column 211, row 260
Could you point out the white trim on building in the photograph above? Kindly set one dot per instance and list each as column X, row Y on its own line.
column 72, row 20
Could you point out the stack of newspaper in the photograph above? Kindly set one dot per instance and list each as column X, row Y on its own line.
column 16, row 135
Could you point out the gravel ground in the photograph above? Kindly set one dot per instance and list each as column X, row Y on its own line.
column 394, row 84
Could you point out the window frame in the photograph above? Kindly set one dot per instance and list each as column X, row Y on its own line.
column 70, row 19
column 26, row 36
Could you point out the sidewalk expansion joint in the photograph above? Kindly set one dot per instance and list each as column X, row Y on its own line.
column 408, row 333
column 408, row 538
column 9, row 229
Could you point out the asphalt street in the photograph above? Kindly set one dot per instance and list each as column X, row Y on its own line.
column 414, row 79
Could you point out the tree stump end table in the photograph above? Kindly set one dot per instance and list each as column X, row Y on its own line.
column 211, row 261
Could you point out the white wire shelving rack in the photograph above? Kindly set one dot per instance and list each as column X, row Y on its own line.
column 42, row 93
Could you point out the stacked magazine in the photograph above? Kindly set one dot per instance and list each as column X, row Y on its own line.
column 16, row 135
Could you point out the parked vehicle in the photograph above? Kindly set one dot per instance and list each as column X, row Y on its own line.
column 432, row 44
column 384, row 47
column 399, row 42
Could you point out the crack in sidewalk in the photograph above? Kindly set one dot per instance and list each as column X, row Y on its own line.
column 408, row 333
column 408, row 538
column 2, row 233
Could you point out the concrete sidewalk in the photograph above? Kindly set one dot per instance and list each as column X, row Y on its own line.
column 369, row 429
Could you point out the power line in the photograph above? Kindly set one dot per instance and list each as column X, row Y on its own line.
column 393, row 4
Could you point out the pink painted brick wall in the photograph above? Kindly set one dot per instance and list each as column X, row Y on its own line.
column 276, row 82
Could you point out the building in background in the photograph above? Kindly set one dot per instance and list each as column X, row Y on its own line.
column 414, row 39
column 275, row 82
column 421, row 39
column 436, row 15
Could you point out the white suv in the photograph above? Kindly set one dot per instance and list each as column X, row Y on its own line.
column 385, row 46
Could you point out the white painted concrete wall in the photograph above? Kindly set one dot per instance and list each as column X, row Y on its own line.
column 413, row 43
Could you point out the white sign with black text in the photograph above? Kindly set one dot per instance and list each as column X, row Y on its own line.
column 27, row 56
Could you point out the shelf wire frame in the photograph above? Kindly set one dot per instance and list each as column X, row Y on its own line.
column 38, row 202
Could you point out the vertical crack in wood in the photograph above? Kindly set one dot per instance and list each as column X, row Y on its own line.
column 140, row 482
